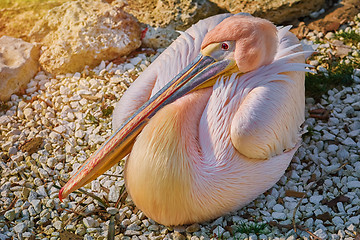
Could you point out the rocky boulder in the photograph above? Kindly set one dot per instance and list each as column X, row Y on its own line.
column 331, row 20
column 176, row 14
column 158, row 37
column 277, row 11
column 343, row 12
column 80, row 33
column 18, row 64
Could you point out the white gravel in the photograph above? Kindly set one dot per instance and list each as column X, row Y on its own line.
column 66, row 112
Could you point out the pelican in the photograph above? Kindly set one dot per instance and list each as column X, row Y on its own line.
column 211, row 124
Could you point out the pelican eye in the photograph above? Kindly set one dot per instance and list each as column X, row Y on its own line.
column 225, row 46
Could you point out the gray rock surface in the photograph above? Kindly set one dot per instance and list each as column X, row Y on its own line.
column 18, row 64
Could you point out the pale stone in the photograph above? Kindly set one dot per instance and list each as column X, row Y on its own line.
column 320, row 233
column 134, row 227
column 278, row 215
column 330, row 35
column 153, row 228
column 278, row 208
column 29, row 113
column 349, row 142
column 113, row 193
column 80, row 33
column 20, row 227
column 112, row 210
column 316, row 199
column 132, row 232
column 18, row 64
column 355, row 220
column 89, row 222
column 4, row 120
column 353, row 184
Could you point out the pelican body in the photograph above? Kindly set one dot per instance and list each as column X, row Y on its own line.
column 212, row 123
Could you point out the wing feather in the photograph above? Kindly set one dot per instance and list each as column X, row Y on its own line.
column 268, row 120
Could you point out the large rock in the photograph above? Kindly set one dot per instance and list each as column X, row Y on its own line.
column 343, row 12
column 176, row 14
column 80, row 33
column 331, row 20
column 158, row 37
column 18, row 64
column 277, row 11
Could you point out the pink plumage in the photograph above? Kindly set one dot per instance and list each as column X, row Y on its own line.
column 214, row 150
column 212, row 123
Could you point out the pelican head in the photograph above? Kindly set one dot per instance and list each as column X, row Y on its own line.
column 237, row 45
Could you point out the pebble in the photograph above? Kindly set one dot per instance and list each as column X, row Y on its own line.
column 193, row 228
column 337, row 220
column 354, row 184
column 112, row 210
column 36, row 205
column 153, row 228
column 80, row 231
column 132, row 233
column 133, row 226
column 57, row 225
column 316, row 199
column 278, row 215
column 12, row 151
column 135, row 61
column 28, row 113
column 321, row 233
column 10, row 214
column 113, row 193
column 178, row 236
column 330, row 35
column 328, row 136
column 278, row 208
column 253, row 237
column 349, row 142
column 218, row 231
column 356, row 79
column 20, row 227
column 342, row 154
column 355, row 220
column 89, row 222
column 77, row 76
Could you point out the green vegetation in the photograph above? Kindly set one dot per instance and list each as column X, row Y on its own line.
column 252, row 227
column 107, row 111
column 336, row 75
column 310, row 132
column 92, row 119
column 349, row 37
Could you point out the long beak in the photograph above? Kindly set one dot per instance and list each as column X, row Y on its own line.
column 198, row 74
